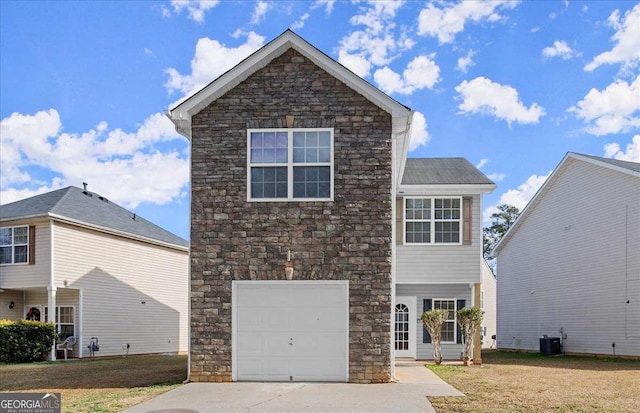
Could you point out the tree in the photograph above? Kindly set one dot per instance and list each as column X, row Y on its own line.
column 469, row 320
column 433, row 321
column 501, row 221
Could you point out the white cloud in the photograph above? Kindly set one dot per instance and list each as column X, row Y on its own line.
column 631, row 153
column 210, row 61
column 559, row 49
column 419, row 134
column 422, row 72
column 518, row 197
column 446, row 22
column 260, row 10
column 327, row 4
column 195, row 8
column 627, row 42
column 356, row 63
column 464, row 63
column 300, row 23
column 483, row 96
column 613, row 110
column 482, row 163
column 126, row 167
column 496, row 177
column 377, row 43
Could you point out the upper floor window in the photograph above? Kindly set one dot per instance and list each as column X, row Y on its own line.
column 290, row 164
column 14, row 245
column 433, row 220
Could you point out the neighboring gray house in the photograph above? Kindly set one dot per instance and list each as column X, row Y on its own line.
column 569, row 267
column 296, row 170
column 94, row 269
column 438, row 249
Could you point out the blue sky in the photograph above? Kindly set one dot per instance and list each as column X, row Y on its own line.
column 511, row 86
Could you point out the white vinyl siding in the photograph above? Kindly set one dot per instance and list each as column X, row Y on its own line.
column 134, row 293
column 574, row 264
column 489, row 319
column 443, row 263
column 31, row 276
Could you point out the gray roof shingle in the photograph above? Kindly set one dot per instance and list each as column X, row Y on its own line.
column 442, row 171
column 632, row 166
column 88, row 208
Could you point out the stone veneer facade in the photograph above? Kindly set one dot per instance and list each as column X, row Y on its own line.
column 346, row 239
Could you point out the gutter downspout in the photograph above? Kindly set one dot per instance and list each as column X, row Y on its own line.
column 394, row 212
column 52, row 290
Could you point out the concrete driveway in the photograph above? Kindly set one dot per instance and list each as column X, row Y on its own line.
column 408, row 395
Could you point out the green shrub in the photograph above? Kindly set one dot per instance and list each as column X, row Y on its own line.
column 25, row 341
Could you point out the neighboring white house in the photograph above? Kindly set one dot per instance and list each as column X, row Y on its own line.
column 488, row 305
column 74, row 258
column 439, row 262
column 569, row 267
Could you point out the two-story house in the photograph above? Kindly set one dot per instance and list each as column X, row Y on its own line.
column 299, row 191
column 438, row 250
column 97, row 271
column 569, row 267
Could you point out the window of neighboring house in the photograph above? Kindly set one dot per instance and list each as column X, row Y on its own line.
column 290, row 164
column 433, row 220
column 482, row 299
column 14, row 245
column 449, row 326
column 65, row 320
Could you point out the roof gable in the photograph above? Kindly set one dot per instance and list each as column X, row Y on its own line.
column 182, row 113
column 625, row 167
column 87, row 208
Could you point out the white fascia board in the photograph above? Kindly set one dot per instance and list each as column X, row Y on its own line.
column 401, row 129
column 442, row 189
column 181, row 114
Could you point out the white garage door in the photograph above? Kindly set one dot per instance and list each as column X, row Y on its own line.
column 290, row 330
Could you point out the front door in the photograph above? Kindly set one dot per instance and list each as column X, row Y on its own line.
column 405, row 327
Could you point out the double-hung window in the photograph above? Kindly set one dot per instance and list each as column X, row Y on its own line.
column 449, row 326
column 433, row 220
column 14, row 245
column 290, row 164
column 65, row 320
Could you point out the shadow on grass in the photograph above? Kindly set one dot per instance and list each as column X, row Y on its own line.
column 497, row 357
column 117, row 372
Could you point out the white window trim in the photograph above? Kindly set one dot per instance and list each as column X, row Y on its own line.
column 455, row 317
column 13, row 245
column 289, row 165
column 432, row 221
column 45, row 315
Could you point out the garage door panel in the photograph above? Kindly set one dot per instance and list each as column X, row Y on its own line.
column 294, row 331
column 318, row 369
column 313, row 319
column 275, row 345
column 319, row 345
column 249, row 343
